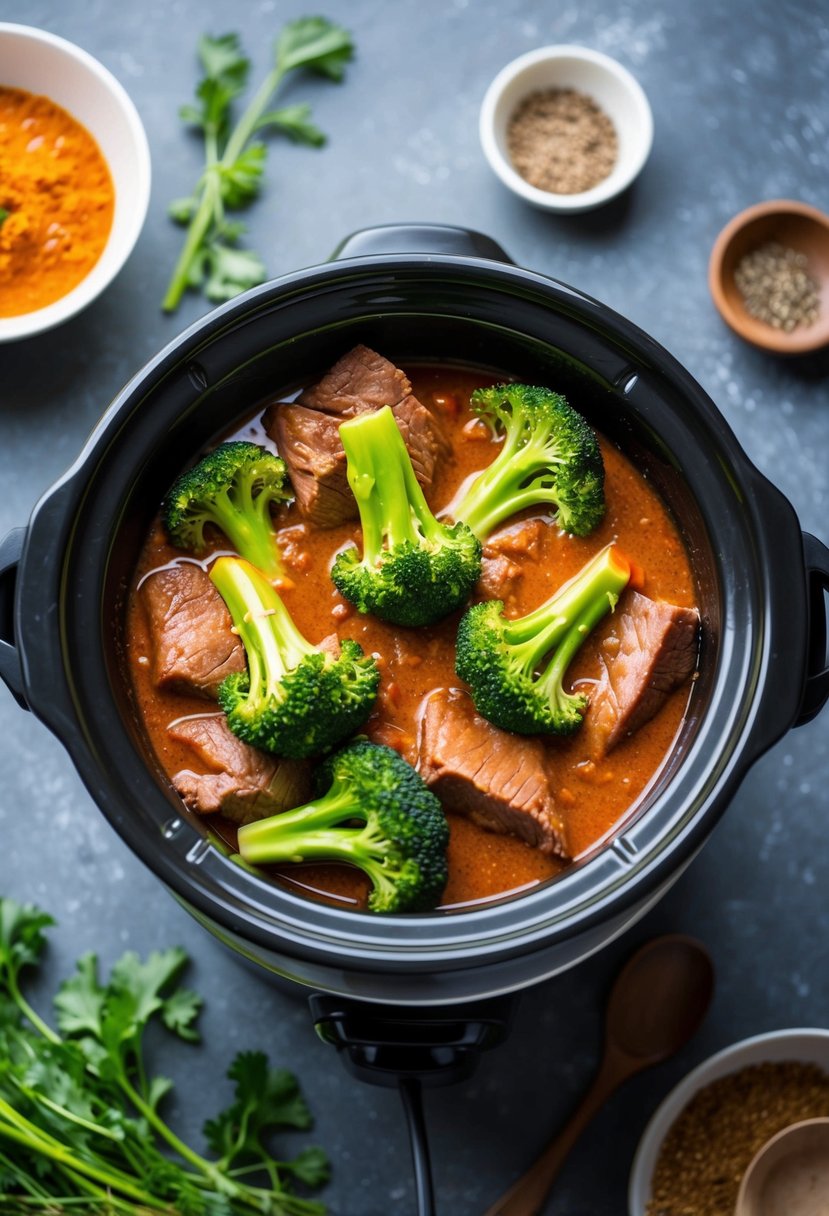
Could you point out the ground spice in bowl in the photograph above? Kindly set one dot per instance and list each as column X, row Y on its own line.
column 561, row 141
column 56, row 202
column 710, row 1145
column 776, row 286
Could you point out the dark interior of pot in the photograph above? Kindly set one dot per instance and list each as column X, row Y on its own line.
column 628, row 389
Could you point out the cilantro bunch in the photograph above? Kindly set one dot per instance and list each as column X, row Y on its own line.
column 234, row 162
column 80, row 1122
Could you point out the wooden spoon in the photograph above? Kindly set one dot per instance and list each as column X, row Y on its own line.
column 658, row 1000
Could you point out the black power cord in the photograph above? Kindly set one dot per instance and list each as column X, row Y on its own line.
column 411, row 1092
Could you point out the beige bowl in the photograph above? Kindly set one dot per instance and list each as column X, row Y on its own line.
column 40, row 62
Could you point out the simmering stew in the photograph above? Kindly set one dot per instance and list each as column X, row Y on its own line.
column 520, row 808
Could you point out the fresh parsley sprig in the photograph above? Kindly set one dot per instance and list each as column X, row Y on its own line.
column 80, row 1128
column 210, row 259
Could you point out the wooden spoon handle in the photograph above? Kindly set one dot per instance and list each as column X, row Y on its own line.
column 526, row 1196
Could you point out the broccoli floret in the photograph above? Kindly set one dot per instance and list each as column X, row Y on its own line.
column 414, row 570
column 515, row 668
column 294, row 700
column 550, row 456
column 233, row 488
column 372, row 810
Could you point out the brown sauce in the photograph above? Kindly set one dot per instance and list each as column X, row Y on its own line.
column 594, row 796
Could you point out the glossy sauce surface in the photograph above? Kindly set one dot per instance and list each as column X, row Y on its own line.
column 593, row 795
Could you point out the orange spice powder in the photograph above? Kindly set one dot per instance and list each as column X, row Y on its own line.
column 56, row 202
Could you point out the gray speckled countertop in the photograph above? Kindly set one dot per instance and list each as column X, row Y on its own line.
column 739, row 90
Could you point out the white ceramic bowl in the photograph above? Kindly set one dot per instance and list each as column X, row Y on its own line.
column 808, row 1046
column 40, row 62
column 569, row 67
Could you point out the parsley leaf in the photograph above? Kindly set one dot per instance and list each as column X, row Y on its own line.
column 310, row 1166
column 266, row 1100
column 313, row 42
column 80, row 1000
column 21, row 935
column 234, row 162
column 240, row 182
column 294, row 121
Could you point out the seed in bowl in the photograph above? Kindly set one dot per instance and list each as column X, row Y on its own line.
column 561, row 140
column 56, row 202
column 777, row 287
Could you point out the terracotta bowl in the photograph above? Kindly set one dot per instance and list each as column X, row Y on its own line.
column 794, row 225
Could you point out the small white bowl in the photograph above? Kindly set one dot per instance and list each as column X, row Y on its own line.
column 42, row 63
column 807, row 1046
column 569, row 67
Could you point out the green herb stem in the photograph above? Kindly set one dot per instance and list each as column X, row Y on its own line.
column 22, row 1132
column 207, row 1168
column 198, row 228
column 246, row 125
column 25, row 1008
column 57, row 1109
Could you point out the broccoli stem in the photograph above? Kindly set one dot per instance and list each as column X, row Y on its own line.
column 497, row 492
column 273, row 644
column 391, row 503
column 565, row 620
column 250, row 533
column 276, row 838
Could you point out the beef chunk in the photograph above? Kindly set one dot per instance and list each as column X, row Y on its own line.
column 307, row 433
column 500, row 571
column 496, row 778
column 423, row 436
column 651, row 651
column 309, row 443
column 190, row 627
column 361, row 380
column 498, row 579
column 521, row 540
column 244, row 784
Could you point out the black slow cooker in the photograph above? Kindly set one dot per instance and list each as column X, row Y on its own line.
column 450, row 296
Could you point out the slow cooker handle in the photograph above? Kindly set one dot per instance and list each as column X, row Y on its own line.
column 420, row 238
column 11, row 673
column 816, row 692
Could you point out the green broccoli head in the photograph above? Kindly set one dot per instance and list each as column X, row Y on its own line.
column 515, row 669
column 550, row 457
column 372, row 810
column 232, row 488
column 414, row 570
column 294, row 700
